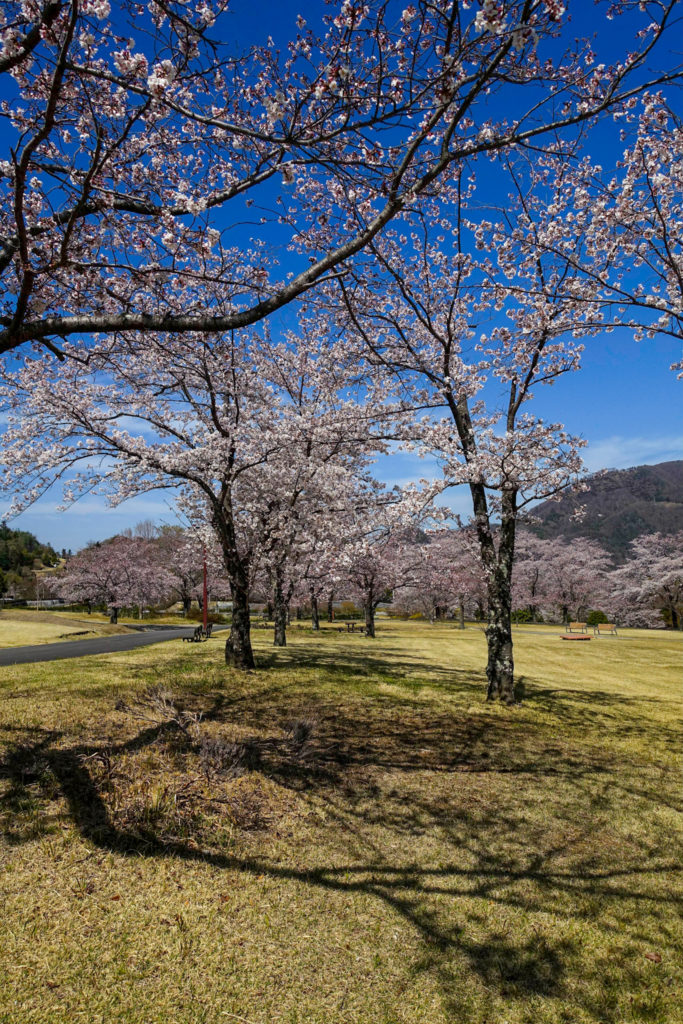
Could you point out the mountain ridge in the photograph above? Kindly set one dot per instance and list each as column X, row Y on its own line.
column 621, row 504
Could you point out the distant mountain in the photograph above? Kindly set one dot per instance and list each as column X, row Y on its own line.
column 620, row 504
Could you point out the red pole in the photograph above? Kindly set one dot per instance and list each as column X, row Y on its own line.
column 205, row 596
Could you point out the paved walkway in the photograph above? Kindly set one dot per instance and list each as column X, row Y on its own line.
column 94, row 645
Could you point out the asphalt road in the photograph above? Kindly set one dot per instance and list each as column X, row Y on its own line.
column 93, row 645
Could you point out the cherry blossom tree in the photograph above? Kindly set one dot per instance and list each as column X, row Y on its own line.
column 380, row 552
column 651, row 581
column 120, row 572
column 244, row 425
column 447, row 576
column 185, row 553
column 629, row 237
column 530, row 578
column 136, row 137
column 575, row 576
column 470, row 322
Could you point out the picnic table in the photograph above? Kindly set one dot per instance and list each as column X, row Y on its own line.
column 353, row 627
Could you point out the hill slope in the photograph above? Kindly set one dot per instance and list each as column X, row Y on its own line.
column 620, row 504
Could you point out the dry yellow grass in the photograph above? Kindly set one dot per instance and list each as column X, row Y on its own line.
column 422, row 858
column 19, row 628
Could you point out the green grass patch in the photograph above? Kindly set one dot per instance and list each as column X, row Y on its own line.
column 19, row 627
column 348, row 835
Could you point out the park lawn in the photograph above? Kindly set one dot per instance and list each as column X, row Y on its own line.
column 19, row 627
column 421, row 857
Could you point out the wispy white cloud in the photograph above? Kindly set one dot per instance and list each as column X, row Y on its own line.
column 618, row 452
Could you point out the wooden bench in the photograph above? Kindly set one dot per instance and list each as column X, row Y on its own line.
column 579, row 627
column 196, row 637
column 605, row 627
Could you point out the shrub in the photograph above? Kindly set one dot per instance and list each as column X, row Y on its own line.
column 195, row 615
column 595, row 617
column 347, row 610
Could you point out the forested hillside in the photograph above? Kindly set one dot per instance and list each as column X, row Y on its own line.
column 20, row 549
column 20, row 555
column 620, row 505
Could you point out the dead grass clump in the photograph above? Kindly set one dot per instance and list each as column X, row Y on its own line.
column 156, row 706
column 219, row 756
column 300, row 733
column 249, row 806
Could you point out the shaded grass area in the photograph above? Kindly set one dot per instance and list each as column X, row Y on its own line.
column 20, row 628
column 419, row 856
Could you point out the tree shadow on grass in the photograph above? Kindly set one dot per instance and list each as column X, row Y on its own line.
column 497, row 861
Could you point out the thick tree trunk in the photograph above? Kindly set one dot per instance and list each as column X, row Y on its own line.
column 315, row 618
column 238, row 652
column 500, row 666
column 114, row 616
column 675, row 617
column 187, row 605
column 461, row 613
column 330, row 608
column 269, row 611
column 279, row 613
column 299, row 615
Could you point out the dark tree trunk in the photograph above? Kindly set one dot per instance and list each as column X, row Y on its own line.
column 89, row 606
column 497, row 565
column 315, row 618
column 288, row 613
column 461, row 613
column 187, row 605
column 500, row 666
column 298, row 613
column 279, row 613
column 675, row 617
column 330, row 608
column 269, row 611
column 114, row 616
column 238, row 652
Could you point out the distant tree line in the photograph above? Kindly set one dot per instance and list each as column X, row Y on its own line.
column 20, row 554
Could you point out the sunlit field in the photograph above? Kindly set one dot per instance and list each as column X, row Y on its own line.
column 348, row 835
column 19, row 628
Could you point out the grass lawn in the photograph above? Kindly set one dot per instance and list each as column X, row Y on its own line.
column 404, row 854
column 19, row 627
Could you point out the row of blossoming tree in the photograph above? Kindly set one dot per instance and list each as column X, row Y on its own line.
column 434, row 574
column 416, row 185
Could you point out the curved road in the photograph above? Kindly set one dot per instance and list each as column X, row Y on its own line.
column 95, row 645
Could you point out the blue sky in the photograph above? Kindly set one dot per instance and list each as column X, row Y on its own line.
column 625, row 401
